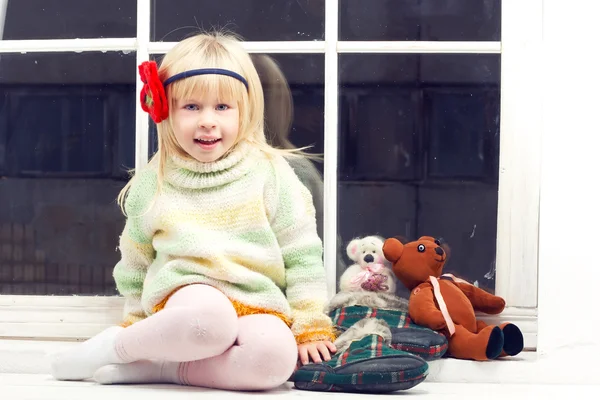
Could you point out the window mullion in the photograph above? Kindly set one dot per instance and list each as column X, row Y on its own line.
column 67, row 45
column 141, row 118
column 520, row 153
column 275, row 47
column 419, row 47
column 331, row 144
column 3, row 5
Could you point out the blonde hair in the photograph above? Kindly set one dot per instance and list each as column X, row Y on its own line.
column 211, row 50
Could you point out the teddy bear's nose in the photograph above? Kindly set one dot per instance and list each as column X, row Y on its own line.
column 369, row 258
column 439, row 251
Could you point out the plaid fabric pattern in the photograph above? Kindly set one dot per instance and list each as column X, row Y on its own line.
column 371, row 348
column 431, row 348
column 345, row 317
column 368, row 347
column 429, row 353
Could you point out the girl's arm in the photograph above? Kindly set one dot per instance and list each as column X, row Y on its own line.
column 130, row 271
column 293, row 221
column 135, row 245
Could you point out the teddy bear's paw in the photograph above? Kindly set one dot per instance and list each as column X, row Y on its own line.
column 513, row 340
column 495, row 343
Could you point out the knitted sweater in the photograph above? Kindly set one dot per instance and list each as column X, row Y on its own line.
column 244, row 225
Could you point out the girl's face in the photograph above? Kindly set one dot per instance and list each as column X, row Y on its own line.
column 204, row 127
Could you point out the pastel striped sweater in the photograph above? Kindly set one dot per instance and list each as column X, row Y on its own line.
column 244, row 225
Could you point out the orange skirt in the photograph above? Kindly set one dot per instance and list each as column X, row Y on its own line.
column 240, row 308
column 243, row 309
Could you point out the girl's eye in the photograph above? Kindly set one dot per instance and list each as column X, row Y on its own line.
column 191, row 107
column 222, row 107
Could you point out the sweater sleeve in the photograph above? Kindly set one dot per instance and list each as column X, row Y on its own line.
column 292, row 216
column 135, row 245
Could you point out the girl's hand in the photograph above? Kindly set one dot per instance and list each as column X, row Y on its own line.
column 312, row 349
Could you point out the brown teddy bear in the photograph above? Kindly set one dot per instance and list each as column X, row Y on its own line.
column 447, row 304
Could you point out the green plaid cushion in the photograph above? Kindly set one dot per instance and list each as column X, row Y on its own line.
column 367, row 365
column 406, row 335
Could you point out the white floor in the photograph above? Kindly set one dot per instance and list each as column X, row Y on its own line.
column 24, row 375
column 38, row 386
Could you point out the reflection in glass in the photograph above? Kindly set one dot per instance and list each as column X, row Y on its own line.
column 68, row 19
column 418, row 153
column 279, row 120
column 290, row 124
column 254, row 20
column 428, row 20
column 66, row 142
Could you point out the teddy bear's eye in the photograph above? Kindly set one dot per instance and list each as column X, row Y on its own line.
column 373, row 252
column 421, row 248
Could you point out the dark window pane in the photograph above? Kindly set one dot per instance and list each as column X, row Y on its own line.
column 418, row 153
column 254, row 20
column 428, row 20
column 66, row 140
column 69, row 19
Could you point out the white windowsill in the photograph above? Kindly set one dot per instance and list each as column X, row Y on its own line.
column 80, row 317
column 39, row 325
column 565, row 366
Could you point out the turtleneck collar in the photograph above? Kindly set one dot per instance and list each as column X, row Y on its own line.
column 192, row 174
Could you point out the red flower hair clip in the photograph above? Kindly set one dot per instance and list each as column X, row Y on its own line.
column 153, row 97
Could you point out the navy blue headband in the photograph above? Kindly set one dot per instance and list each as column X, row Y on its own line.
column 205, row 71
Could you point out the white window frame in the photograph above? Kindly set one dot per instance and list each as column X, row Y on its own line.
column 79, row 317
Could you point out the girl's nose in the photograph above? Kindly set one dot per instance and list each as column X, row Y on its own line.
column 206, row 120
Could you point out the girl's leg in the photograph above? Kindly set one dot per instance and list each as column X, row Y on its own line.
column 263, row 358
column 197, row 322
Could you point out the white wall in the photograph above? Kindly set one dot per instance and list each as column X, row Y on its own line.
column 569, row 222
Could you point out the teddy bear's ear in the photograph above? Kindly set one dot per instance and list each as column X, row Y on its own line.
column 352, row 249
column 392, row 249
column 429, row 238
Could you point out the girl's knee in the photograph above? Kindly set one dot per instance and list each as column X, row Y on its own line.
column 275, row 353
column 272, row 366
column 216, row 328
column 206, row 318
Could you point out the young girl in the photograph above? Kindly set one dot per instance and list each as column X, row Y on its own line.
column 221, row 264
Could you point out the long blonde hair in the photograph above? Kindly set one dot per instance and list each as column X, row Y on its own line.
column 211, row 50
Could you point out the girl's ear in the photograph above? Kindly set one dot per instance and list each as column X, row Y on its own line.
column 352, row 249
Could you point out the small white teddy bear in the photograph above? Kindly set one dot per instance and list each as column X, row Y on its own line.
column 370, row 281
column 371, row 271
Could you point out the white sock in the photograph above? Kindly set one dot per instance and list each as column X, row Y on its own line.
column 81, row 361
column 144, row 371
